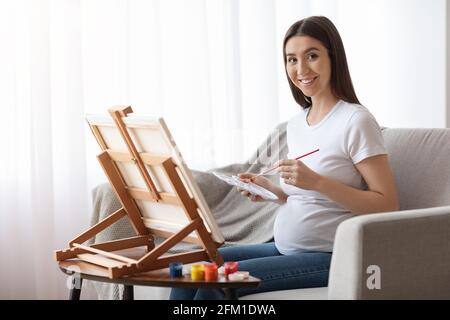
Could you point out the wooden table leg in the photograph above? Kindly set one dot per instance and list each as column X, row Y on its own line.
column 128, row 292
column 230, row 294
column 75, row 288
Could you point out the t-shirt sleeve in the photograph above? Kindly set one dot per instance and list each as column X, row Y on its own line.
column 363, row 137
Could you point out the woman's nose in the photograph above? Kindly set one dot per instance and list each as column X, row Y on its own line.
column 302, row 68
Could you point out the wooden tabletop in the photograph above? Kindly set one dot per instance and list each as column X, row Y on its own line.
column 159, row 278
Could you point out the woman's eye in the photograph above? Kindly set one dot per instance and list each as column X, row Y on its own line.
column 312, row 56
column 291, row 60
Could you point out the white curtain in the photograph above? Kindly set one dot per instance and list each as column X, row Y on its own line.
column 212, row 68
column 43, row 190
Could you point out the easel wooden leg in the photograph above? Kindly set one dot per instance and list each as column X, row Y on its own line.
column 75, row 288
column 128, row 293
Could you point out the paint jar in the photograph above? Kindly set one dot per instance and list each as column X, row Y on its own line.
column 211, row 273
column 176, row 269
column 236, row 276
column 230, row 267
column 197, row 272
column 246, row 274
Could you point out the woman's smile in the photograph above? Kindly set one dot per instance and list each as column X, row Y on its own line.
column 307, row 81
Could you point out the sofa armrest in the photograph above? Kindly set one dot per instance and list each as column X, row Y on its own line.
column 393, row 255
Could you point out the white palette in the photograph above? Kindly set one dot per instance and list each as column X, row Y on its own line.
column 248, row 186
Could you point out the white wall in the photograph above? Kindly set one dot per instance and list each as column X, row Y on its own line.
column 396, row 52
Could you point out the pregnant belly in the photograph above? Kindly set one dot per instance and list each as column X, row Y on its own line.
column 307, row 224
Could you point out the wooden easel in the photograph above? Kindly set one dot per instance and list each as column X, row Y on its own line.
column 156, row 257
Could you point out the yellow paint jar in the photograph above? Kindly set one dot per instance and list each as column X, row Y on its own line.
column 197, row 272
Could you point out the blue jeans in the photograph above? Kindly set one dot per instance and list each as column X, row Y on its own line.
column 276, row 271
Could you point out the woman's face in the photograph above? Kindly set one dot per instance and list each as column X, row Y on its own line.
column 308, row 65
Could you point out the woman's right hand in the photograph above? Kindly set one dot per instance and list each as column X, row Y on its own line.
column 259, row 180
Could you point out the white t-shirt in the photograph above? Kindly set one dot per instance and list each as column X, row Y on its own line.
column 347, row 135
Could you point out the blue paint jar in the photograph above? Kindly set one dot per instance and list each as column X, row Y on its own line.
column 176, row 270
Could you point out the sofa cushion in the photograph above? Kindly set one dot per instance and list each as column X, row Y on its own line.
column 420, row 161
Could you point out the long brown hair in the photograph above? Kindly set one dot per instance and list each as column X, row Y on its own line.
column 322, row 29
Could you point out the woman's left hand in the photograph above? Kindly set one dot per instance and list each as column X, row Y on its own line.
column 297, row 174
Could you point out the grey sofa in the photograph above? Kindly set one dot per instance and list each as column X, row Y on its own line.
column 393, row 255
